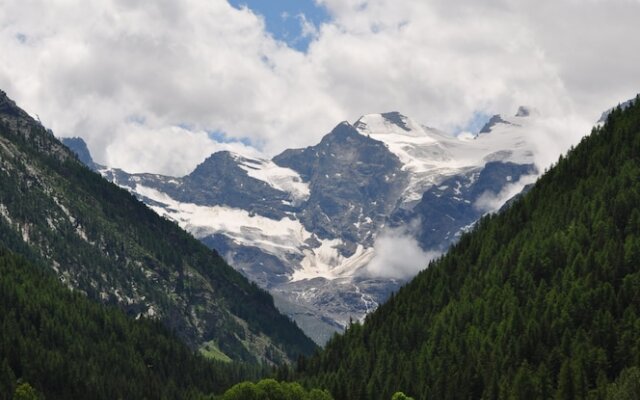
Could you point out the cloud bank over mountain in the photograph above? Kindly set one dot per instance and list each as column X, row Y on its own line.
column 152, row 86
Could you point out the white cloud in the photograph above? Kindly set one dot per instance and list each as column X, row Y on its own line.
column 307, row 28
column 89, row 67
column 398, row 255
column 492, row 202
column 170, row 150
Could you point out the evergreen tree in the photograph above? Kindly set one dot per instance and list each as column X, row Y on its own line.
column 627, row 386
column 7, row 380
column 24, row 391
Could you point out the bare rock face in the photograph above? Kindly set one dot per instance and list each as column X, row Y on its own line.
column 355, row 183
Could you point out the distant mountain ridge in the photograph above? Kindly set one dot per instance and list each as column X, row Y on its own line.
column 103, row 242
column 304, row 224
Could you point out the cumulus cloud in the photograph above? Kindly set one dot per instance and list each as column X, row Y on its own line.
column 491, row 202
column 89, row 68
column 307, row 28
column 398, row 254
column 177, row 147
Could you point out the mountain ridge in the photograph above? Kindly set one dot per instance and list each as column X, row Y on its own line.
column 312, row 216
column 103, row 242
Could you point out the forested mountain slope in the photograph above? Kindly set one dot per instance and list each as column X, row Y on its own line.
column 68, row 347
column 540, row 301
column 103, row 242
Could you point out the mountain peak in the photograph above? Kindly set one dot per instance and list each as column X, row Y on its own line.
column 524, row 111
column 343, row 130
column 397, row 119
column 9, row 108
column 527, row 111
column 21, row 123
column 392, row 118
column 389, row 123
column 623, row 106
column 214, row 161
column 80, row 148
column 493, row 121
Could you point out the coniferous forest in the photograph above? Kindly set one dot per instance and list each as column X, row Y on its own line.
column 541, row 301
column 68, row 347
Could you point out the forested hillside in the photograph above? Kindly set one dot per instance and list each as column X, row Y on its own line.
column 103, row 242
column 540, row 301
column 68, row 347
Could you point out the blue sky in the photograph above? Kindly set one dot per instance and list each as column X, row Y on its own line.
column 283, row 21
column 476, row 123
column 222, row 137
column 283, row 18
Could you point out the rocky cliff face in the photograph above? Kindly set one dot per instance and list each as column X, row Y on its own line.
column 305, row 224
column 355, row 183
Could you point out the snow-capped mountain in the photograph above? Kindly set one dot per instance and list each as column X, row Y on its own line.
column 305, row 224
column 430, row 155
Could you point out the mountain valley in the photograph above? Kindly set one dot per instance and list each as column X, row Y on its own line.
column 102, row 242
column 544, row 290
column 306, row 225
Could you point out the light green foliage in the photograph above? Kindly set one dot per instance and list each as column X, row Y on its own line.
column 627, row 386
column 400, row 396
column 24, row 391
column 7, row 380
column 270, row 389
column 212, row 351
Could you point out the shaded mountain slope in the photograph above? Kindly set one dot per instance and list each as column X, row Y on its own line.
column 68, row 347
column 103, row 242
column 540, row 301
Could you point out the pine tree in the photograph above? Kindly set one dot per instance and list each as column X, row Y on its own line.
column 24, row 391
column 7, row 380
